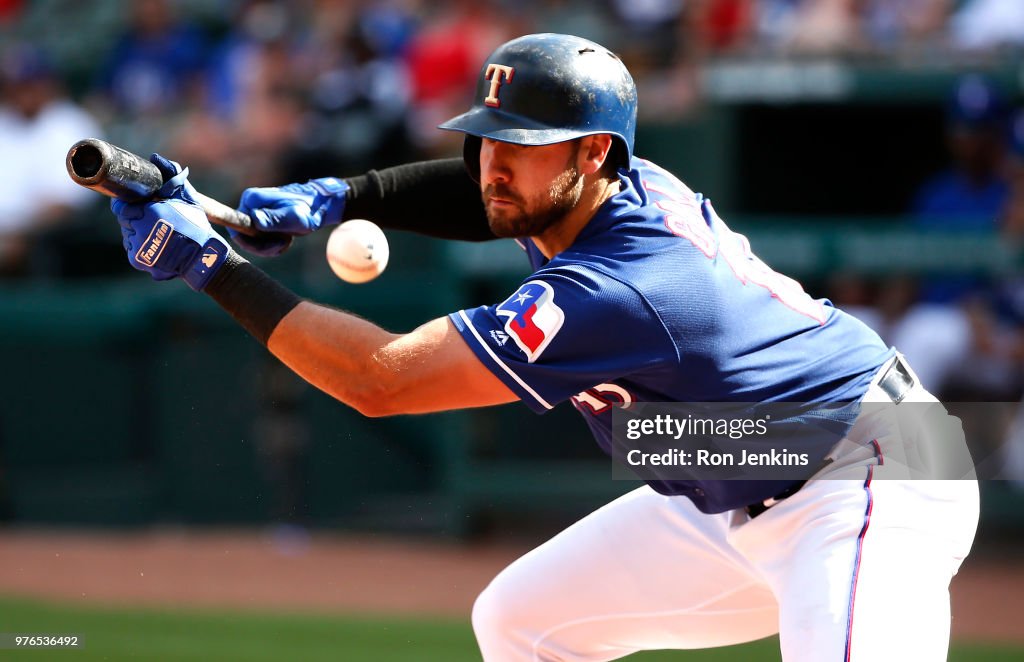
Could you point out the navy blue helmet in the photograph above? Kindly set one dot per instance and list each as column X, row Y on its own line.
column 548, row 88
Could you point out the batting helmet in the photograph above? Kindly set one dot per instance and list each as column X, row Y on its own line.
column 548, row 88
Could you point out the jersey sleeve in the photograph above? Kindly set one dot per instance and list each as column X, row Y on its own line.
column 564, row 331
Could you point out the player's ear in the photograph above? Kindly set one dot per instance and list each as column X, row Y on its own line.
column 594, row 151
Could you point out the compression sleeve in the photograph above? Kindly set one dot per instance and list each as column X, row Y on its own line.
column 436, row 198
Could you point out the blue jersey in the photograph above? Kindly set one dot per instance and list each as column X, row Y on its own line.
column 657, row 300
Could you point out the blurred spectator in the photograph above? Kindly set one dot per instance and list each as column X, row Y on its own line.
column 892, row 24
column 943, row 322
column 589, row 20
column 820, row 27
column 234, row 63
column 972, row 191
column 773, row 20
column 825, row 26
column 970, row 195
column 988, row 24
column 155, row 63
column 724, row 25
column 810, row 26
column 668, row 78
column 38, row 124
column 1011, row 459
column 358, row 115
column 444, row 59
column 1010, row 299
column 10, row 9
column 1013, row 212
column 235, row 133
column 936, row 337
column 647, row 32
column 997, row 327
column 854, row 294
column 151, row 80
column 388, row 26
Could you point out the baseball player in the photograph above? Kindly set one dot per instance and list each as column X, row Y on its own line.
column 639, row 293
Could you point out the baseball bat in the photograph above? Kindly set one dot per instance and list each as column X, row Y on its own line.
column 118, row 173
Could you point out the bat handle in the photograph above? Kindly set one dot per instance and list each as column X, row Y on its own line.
column 221, row 214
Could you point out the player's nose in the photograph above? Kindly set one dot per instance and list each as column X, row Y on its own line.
column 495, row 161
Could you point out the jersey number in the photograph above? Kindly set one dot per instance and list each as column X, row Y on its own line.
column 601, row 397
column 682, row 219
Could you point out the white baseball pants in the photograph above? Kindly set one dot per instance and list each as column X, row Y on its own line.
column 855, row 567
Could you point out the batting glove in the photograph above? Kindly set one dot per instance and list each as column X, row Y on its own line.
column 170, row 236
column 294, row 209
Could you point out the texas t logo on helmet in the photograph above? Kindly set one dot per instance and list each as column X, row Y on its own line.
column 565, row 88
column 493, row 73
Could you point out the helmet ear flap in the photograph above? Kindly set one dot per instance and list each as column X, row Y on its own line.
column 618, row 156
column 471, row 156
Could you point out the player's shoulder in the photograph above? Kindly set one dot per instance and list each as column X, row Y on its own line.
column 628, row 247
column 650, row 171
column 633, row 220
column 593, row 289
column 587, row 275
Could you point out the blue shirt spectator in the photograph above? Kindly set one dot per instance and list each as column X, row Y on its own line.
column 154, row 62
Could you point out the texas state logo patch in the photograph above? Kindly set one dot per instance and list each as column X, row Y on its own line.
column 533, row 317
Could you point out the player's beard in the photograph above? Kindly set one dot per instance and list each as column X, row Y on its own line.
column 531, row 218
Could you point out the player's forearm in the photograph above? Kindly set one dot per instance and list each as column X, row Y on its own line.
column 332, row 350
column 340, row 354
column 348, row 358
column 435, row 198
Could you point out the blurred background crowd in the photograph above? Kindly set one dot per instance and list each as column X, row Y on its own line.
column 258, row 92
column 265, row 92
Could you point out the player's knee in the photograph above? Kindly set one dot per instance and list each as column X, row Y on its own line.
column 497, row 621
column 488, row 616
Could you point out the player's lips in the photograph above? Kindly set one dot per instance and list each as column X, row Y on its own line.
column 500, row 197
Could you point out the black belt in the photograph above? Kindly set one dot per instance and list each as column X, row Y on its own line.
column 895, row 383
column 755, row 509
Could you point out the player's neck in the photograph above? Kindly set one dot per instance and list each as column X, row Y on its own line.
column 562, row 234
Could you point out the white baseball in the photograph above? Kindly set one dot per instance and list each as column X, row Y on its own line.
column 357, row 251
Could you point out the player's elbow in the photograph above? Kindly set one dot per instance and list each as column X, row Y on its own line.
column 377, row 396
column 376, row 409
column 372, row 402
column 387, row 384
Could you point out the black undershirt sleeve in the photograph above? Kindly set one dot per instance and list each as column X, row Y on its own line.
column 254, row 299
column 435, row 198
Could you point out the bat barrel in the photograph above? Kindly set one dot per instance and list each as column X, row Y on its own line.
column 112, row 171
column 115, row 172
column 85, row 162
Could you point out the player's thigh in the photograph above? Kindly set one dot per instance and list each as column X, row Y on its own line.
column 919, row 533
column 806, row 547
column 861, row 569
column 643, row 572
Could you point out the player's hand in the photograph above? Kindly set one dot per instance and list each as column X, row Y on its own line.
column 281, row 212
column 169, row 236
